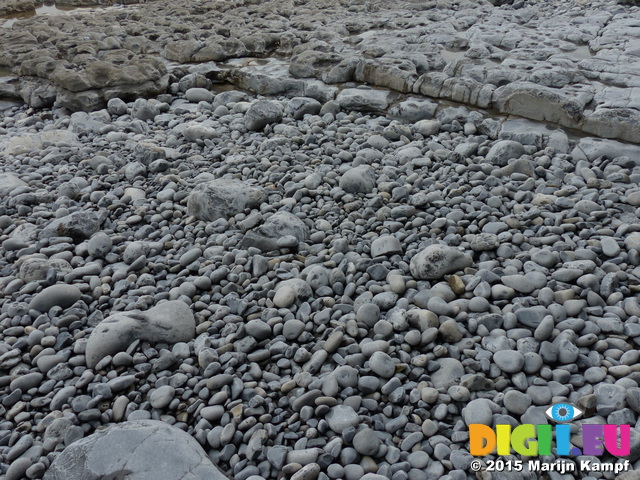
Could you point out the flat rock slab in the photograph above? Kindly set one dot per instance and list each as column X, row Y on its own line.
column 137, row 450
column 26, row 143
column 363, row 99
column 168, row 322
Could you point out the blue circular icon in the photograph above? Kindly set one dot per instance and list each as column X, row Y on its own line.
column 562, row 412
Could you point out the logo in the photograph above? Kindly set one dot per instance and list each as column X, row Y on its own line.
column 534, row 440
column 563, row 412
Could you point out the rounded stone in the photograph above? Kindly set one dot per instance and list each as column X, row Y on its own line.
column 366, row 442
column 56, row 295
column 143, row 449
column 341, row 417
column 99, row 245
column 197, row 94
column 162, row 396
column 284, row 297
column 516, row 402
column 509, row 361
column 382, row 365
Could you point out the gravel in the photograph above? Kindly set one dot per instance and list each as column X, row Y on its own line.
column 306, row 279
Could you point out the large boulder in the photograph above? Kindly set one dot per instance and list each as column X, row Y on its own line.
column 223, row 198
column 78, row 225
column 34, row 269
column 413, row 110
column 261, row 114
column 56, row 295
column 168, row 322
column 9, row 182
column 144, row 110
column 435, row 261
column 138, row 450
column 538, row 102
column 313, row 63
column 504, row 151
column 89, row 85
column 279, row 227
column 298, row 107
column 11, row 7
column 361, row 179
column 84, row 123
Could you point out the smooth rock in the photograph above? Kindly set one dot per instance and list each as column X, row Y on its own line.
column 56, row 295
column 168, row 322
column 144, row 449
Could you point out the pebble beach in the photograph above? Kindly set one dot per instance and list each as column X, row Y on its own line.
column 315, row 240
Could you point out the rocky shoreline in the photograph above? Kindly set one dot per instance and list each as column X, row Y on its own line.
column 269, row 270
column 550, row 62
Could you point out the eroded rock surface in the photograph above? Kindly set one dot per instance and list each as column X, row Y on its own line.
column 530, row 58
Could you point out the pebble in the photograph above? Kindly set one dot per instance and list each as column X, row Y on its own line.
column 449, row 373
column 162, row 396
column 509, row 361
column 342, row 417
column 516, row 402
column 610, row 247
column 478, row 411
column 382, row 364
column 284, row 297
column 366, row 442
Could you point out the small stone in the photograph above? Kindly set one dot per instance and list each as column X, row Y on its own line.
column 366, row 442
column 610, row 398
column 450, row 331
column 484, row 242
column 610, row 247
column 382, row 365
column 99, row 245
column 292, row 329
column 516, row 402
column 284, row 297
column 162, row 396
column 509, row 361
column 308, row 472
column 504, row 151
column 368, row 314
column 342, row 417
column 478, row 411
column 116, row 106
column 385, row 246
